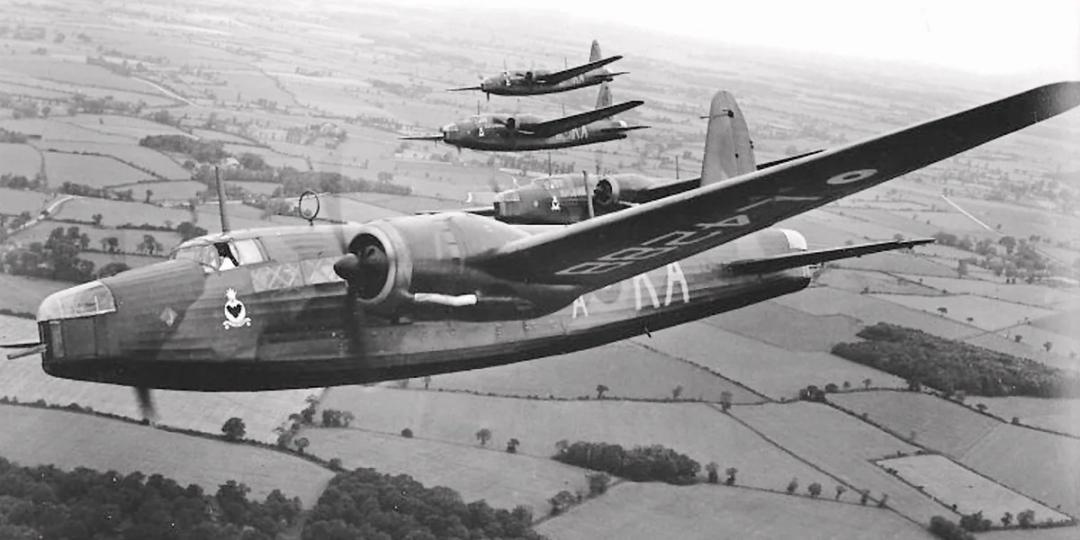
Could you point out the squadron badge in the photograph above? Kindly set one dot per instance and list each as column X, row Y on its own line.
column 235, row 312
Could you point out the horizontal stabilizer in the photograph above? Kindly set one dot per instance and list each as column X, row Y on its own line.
column 464, row 89
column 774, row 163
column 804, row 258
column 622, row 129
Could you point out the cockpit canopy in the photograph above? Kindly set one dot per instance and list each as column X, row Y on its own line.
column 223, row 254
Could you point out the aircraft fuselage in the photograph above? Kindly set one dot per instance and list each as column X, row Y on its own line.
column 484, row 133
column 290, row 325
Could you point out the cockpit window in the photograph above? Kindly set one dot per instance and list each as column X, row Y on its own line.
column 224, row 255
column 248, row 252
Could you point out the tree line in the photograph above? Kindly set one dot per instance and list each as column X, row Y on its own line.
column 653, row 463
column 45, row 502
column 366, row 504
column 953, row 366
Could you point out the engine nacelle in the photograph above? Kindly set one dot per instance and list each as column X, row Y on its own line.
column 606, row 193
column 418, row 267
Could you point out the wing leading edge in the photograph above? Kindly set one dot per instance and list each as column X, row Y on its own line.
column 566, row 123
column 818, row 256
column 560, row 76
column 620, row 245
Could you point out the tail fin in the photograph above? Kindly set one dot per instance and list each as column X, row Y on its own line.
column 603, row 97
column 594, row 52
column 728, row 150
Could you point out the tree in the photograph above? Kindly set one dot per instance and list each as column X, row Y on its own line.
column 233, row 429
column 598, row 483
column 1048, row 345
column 149, row 244
column 814, row 489
column 96, row 218
column 793, row 486
column 981, row 406
column 112, row 269
column 676, row 392
column 730, row 472
column 847, row 385
column 189, row 230
column 149, row 193
column 714, row 476
column 1026, row 519
column 725, row 400
column 840, row 491
column 407, row 433
column 600, row 390
column 346, row 418
column 301, row 444
column 484, row 435
column 511, row 446
column 1006, row 520
column 962, row 268
column 864, row 497
column 883, row 501
column 1009, row 242
column 110, row 244
column 866, row 383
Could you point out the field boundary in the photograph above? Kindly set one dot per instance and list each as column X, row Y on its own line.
column 766, row 399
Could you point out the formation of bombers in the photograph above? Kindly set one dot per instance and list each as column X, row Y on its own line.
column 416, row 295
column 514, row 133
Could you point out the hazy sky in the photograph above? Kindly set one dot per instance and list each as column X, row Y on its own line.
column 987, row 37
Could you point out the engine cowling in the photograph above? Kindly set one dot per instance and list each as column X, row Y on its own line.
column 606, row 194
column 419, row 266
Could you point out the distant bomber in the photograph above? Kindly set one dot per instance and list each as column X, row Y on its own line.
column 510, row 133
column 542, row 81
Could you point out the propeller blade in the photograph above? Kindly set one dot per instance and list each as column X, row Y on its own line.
column 146, row 403
column 20, row 344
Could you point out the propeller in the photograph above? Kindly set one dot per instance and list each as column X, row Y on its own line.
column 146, row 403
column 366, row 269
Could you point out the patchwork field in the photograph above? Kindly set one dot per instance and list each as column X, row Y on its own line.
column 971, row 493
column 905, row 263
column 129, row 239
column 178, row 190
column 646, row 511
column 47, row 437
column 843, row 446
column 697, row 430
column 772, row 371
column 138, row 156
column 982, row 312
column 937, row 423
column 1039, row 465
column 1061, row 415
column 16, row 201
column 503, row 480
column 55, row 130
column 22, row 293
column 870, row 310
column 19, row 160
column 93, row 171
column 1020, row 293
column 858, row 281
column 117, row 213
column 628, row 370
column 787, row 328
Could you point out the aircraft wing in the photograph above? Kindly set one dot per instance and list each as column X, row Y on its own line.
column 622, row 244
column 566, row 123
column 818, row 256
column 560, row 76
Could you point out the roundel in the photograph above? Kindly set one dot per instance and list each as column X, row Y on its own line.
column 851, row 176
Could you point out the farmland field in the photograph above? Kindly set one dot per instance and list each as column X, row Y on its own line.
column 787, row 328
column 630, row 371
column 953, row 484
column 117, row 212
column 134, row 261
column 15, row 201
column 985, row 313
column 898, row 262
column 701, row 432
column 261, row 188
column 1056, row 414
column 1021, row 293
column 841, row 445
column 129, row 239
column 46, row 437
column 858, row 281
column 138, row 156
column 503, row 480
column 56, row 130
column 123, row 126
column 869, row 310
column 272, row 158
column 646, row 511
column 19, row 159
column 1037, row 464
column 179, row 190
column 93, row 171
column 21, row 293
column 773, row 371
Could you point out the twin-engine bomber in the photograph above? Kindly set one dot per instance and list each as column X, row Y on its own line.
column 314, row 306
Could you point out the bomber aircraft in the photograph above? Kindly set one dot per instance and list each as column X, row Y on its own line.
column 541, row 81
column 409, row 296
column 510, row 133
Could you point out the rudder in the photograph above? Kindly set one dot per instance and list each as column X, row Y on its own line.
column 594, row 52
column 728, row 149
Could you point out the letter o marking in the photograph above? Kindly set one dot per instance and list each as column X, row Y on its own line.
column 851, row 176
